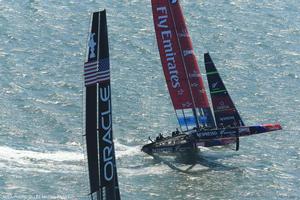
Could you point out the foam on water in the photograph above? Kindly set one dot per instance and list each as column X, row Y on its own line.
column 43, row 162
column 9, row 154
column 123, row 150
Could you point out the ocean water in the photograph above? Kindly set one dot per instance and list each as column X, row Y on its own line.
column 255, row 45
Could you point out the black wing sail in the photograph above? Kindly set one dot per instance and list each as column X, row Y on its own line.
column 99, row 135
column 225, row 111
column 91, row 105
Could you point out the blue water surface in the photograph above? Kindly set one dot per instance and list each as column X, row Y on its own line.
column 255, row 45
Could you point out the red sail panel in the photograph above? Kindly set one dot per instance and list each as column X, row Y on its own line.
column 191, row 64
column 170, row 54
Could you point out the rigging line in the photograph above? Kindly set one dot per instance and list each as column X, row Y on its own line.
column 185, row 119
column 189, row 84
column 178, row 120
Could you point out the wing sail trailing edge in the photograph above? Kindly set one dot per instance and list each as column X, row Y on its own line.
column 91, row 108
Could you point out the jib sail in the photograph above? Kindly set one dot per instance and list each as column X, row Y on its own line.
column 99, row 135
column 179, row 63
column 225, row 111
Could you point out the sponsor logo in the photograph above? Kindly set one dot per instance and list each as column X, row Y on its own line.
column 202, row 91
column 173, row 1
column 184, row 33
column 195, row 74
column 187, row 104
column 164, row 149
column 227, row 118
column 214, row 85
column 207, row 134
column 106, row 126
column 180, row 92
column 222, row 106
column 194, row 85
column 221, row 133
column 92, row 45
column 187, row 52
column 169, row 53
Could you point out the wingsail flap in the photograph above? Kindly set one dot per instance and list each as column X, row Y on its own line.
column 108, row 171
column 188, row 55
column 99, row 134
column 225, row 111
column 178, row 60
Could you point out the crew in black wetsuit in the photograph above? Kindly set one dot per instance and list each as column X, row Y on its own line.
column 221, row 125
column 159, row 137
column 173, row 134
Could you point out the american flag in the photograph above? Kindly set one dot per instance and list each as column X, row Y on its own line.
column 96, row 72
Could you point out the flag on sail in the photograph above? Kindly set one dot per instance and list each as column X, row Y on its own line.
column 96, row 72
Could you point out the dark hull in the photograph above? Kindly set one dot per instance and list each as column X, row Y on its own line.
column 175, row 144
column 190, row 140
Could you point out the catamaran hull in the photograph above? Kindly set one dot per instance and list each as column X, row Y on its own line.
column 153, row 148
column 189, row 141
column 203, row 135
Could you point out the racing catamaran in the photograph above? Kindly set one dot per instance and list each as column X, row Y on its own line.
column 98, row 116
column 198, row 125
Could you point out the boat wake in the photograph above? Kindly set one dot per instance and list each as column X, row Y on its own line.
column 28, row 160
column 197, row 162
column 123, row 150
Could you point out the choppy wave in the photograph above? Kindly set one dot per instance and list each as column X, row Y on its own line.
column 255, row 45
